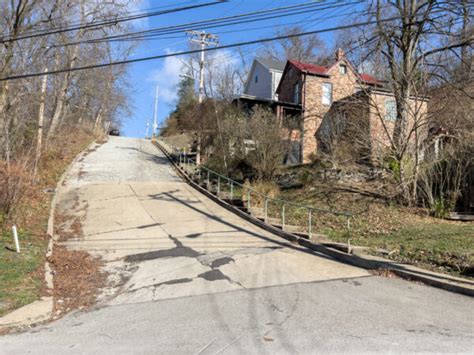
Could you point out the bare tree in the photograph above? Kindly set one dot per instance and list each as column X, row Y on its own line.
column 34, row 108
column 407, row 51
column 308, row 48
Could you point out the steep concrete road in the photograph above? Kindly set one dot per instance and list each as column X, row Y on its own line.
column 187, row 276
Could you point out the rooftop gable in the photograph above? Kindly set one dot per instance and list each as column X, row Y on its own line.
column 271, row 64
column 309, row 68
column 319, row 70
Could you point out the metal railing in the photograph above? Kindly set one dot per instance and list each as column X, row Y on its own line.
column 211, row 177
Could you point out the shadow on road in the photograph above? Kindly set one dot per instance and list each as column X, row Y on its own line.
column 168, row 196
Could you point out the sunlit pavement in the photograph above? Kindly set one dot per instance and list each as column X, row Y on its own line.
column 187, row 276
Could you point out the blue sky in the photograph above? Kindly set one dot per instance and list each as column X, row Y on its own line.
column 144, row 76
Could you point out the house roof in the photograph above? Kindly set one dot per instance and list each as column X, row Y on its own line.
column 369, row 79
column 271, row 64
column 320, row 70
column 310, row 68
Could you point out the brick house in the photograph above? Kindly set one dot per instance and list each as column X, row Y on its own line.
column 336, row 103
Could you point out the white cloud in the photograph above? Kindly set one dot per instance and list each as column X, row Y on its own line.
column 167, row 75
column 167, row 78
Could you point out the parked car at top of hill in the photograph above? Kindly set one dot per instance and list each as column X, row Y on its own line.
column 114, row 132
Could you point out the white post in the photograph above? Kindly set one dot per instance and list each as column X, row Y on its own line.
column 15, row 237
column 155, row 115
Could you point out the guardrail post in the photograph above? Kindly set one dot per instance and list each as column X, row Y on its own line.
column 283, row 217
column 310, row 223
column 265, row 210
column 248, row 202
column 231, row 190
column 218, row 185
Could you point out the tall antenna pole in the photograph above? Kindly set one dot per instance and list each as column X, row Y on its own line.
column 155, row 116
column 205, row 40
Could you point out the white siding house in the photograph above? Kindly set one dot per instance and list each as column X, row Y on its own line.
column 263, row 79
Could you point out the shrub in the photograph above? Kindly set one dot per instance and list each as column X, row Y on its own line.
column 265, row 188
column 13, row 182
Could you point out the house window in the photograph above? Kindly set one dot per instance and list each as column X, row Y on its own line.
column 256, row 79
column 390, row 110
column 343, row 69
column 296, row 93
column 327, row 94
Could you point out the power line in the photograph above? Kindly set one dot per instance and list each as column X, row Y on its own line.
column 306, row 20
column 158, row 32
column 254, row 16
column 232, row 45
column 110, row 17
column 112, row 22
column 314, row 21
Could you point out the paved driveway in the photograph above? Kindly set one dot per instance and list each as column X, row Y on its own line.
column 187, row 276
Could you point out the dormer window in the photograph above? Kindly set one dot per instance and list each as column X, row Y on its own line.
column 343, row 69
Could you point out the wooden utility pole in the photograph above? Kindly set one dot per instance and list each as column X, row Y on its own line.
column 205, row 40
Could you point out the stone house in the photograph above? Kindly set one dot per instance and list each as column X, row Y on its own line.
column 336, row 104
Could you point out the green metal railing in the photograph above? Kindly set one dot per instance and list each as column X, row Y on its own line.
column 249, row 196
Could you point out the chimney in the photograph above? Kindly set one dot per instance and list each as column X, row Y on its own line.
column 339, row 54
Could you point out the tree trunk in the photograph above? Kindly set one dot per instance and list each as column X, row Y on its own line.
column 98, row 119
column 39, row 138
column 58, row 111
column 4, row 130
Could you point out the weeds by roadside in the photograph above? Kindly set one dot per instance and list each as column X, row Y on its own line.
column 22, row 275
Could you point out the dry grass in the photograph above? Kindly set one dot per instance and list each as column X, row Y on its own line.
column 21, row 275
column 408, row 234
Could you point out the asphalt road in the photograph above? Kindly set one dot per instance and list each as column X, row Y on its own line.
column 186, row 276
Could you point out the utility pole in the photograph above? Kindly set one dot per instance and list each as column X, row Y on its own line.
column 205, row 40
column 155, row 116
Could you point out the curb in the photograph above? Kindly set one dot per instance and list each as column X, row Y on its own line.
column 405, row 271
column 41, row 310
